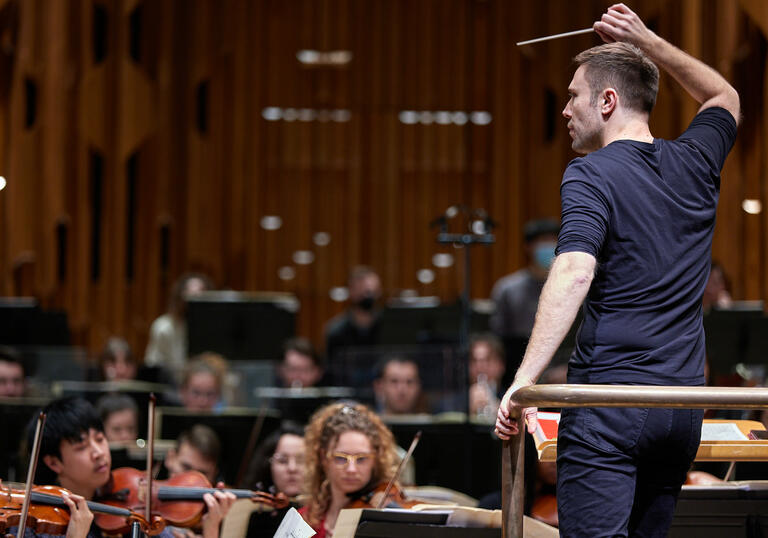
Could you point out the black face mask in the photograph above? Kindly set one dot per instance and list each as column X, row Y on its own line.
column 366, row 303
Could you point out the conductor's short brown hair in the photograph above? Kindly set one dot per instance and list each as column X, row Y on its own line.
column 626, row 69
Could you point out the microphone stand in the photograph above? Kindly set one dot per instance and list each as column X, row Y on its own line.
column 466, row 241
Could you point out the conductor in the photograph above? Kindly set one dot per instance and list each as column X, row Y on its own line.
column 638, row 214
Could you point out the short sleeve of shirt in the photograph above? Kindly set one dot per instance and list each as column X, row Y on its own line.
column 713, row 132
column 585, row 211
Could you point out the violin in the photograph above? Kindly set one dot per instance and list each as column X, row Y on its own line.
column 178, row 501
column 48, row 513
column 44, row 509
column 544, row 506
column 379, row 497
column 545, row 509
column 701, row 478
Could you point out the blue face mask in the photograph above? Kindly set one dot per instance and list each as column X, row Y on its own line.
column 544, row 255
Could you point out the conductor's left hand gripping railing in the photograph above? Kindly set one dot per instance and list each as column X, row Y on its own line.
column 512, row 460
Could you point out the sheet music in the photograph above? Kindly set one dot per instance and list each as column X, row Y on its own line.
column 294, row 526
column 721, row 431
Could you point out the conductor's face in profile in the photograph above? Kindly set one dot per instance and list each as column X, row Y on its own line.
column 585, row 123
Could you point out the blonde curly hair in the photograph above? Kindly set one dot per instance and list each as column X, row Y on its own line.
column 322, row 433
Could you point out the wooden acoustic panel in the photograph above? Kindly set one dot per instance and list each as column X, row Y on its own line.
column 155, row 136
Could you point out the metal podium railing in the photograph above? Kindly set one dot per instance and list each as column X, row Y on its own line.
column 512, row 459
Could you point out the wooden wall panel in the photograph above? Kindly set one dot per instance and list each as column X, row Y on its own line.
column 175, row 113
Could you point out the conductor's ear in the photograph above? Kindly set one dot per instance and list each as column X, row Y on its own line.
column 610, row 101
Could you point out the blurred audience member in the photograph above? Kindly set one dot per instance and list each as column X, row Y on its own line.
column 301, row 365
column 202, row 382
column 167, row 345
column 120, row 416
column 12, row 378
column 197, row 449
column 358, row 325
column 398, row 388
column 486, row 370
column 716, row 294
column 517, row 295
column 277, row 467
column 116, row 361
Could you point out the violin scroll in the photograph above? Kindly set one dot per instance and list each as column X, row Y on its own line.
column 277, row 501
column 384, row 495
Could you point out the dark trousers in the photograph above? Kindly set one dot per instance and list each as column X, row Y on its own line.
column 619, row 470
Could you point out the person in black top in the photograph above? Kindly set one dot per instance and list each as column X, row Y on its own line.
column 358, row 325
column 638, row 214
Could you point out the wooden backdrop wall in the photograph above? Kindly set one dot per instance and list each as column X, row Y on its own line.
column 139, row 141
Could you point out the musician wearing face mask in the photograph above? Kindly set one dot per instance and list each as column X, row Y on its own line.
column 517, row 295
column 358, row 325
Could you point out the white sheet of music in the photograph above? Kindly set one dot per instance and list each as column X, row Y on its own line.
column 294, row 526
column 721, row 431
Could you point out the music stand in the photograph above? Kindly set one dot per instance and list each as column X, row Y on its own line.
column 388, row 523
column 241, row 325
column 139, row 391
column 734, row 509
column 727, row 337
column 233, row 426
column 443, row 443
column 23, row 323
column 15, row 416
column 298, row 404
column 17, row 320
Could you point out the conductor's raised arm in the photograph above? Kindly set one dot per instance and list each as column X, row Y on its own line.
column 704, row 84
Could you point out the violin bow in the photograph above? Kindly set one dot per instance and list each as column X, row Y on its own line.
column 400, row 469
column 150, row 453
column 31, row 474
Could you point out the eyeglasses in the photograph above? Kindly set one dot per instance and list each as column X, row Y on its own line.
column 285, row 459
column 342, row 459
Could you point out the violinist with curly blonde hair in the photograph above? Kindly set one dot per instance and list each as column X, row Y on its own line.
column 351, row 455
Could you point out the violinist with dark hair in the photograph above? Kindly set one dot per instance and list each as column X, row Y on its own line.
column 350, row 460
column 74, row 454
column 277, row 466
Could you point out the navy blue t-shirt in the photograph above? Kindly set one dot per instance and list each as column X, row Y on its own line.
column 646, row 212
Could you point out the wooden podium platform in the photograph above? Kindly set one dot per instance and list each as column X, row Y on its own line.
column 721, row 440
